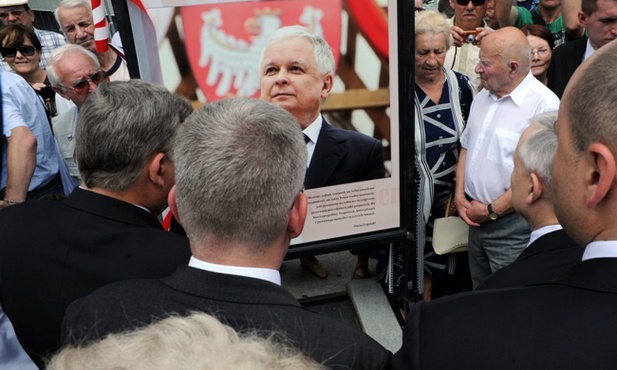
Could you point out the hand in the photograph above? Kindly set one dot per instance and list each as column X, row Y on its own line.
column 464, row 207
column 481, row 33
column 458, row 36
column 38, row 86
column 478, row 212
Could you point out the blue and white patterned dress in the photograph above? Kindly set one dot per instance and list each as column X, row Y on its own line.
column 436, row 154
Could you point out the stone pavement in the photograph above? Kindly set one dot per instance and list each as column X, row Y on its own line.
column 361, row 303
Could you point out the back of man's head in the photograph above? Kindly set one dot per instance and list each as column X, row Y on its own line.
column 120, row 126
column 539, row 146
column 589, row 101
column 240, row 165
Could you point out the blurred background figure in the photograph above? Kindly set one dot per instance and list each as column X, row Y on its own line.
column 542, row 45
column 18, row 12
column 198, row 341
column 22, row 51
column 443, row 98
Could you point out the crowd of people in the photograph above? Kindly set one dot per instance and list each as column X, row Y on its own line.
column 92, row 158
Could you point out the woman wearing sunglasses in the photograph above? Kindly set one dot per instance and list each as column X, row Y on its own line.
column 21, row 49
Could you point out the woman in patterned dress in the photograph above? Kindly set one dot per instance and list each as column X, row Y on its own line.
column 442, row 101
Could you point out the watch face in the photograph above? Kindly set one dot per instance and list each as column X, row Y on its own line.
column 493, row 216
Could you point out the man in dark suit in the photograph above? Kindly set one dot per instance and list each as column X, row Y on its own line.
column 53, row 252
column 240, row 167
column 297, row 72
column 569, row 323
column 550, row 252
column 599, row 17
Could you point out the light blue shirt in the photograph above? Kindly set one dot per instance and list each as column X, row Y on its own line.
column 22, row 107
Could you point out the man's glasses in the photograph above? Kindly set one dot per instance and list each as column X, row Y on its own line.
column 82, row 86
column 474, row 2
column 15, row 13
column 26, row 51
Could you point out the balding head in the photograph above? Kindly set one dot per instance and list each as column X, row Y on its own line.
column 585, row 166
column 589, row 101
column 505, row 59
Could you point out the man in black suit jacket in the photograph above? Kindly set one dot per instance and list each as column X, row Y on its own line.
column 297, row 72
column 569, row 323
column 240, row 167
column 599, row 20
column 564, row 62
column 54, row 251
column 550, row 251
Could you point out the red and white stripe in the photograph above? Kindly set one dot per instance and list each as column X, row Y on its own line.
column 101, row 31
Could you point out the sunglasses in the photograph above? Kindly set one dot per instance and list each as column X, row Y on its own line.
column 14, row 12
column 26, row 51
column 474, row 2
column 83, row 85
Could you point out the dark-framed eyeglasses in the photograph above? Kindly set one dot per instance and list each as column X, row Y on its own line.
column 25, row 50
column 82, row 86
column 14, row 12
column 474, row 2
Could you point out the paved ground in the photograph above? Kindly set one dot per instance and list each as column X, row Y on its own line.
column 331, row 291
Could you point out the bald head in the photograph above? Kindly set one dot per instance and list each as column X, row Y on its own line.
column 505, row 59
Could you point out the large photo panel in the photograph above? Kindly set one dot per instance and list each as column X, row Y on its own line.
column 209, row 50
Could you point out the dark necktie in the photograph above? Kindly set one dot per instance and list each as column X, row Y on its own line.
column 306, row 138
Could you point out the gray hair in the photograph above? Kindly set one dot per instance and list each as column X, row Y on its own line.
column 321, row 50
column 120, row 125
column 240, row 165
column 537, row 152
column 433, row 22
column 198, row 341
column 71, row 4
column 57, row 54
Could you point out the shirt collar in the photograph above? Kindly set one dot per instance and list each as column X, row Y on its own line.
column 589, row 50
column 537, row 233
column 520, row 92
column 601, row 249
column 266, row 274
column 312, row 131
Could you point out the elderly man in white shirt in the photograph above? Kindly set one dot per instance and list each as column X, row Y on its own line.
column 498, row 116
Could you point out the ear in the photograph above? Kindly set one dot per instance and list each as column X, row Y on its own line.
column 297, row 216
column 171, row 202
column 582, row 19
column 61, row 92
column 600, row 180
column 536, row 190
column 514, row 67
column 327, row 85
column 158, row 169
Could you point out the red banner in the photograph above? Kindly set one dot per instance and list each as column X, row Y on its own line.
column 224, row 41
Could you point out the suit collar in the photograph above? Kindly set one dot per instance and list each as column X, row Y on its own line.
column 548, row 242
column 327, row 155
column 598, row 274
column 111, row 208
column 231, row 288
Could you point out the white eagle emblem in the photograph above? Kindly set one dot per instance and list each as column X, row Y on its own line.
column 234, row 63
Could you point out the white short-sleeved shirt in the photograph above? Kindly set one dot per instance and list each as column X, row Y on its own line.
column 493, row 129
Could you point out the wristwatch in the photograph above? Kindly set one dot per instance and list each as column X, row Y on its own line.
column 491, row 213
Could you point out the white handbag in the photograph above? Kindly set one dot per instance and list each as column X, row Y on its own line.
column 450, row 233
